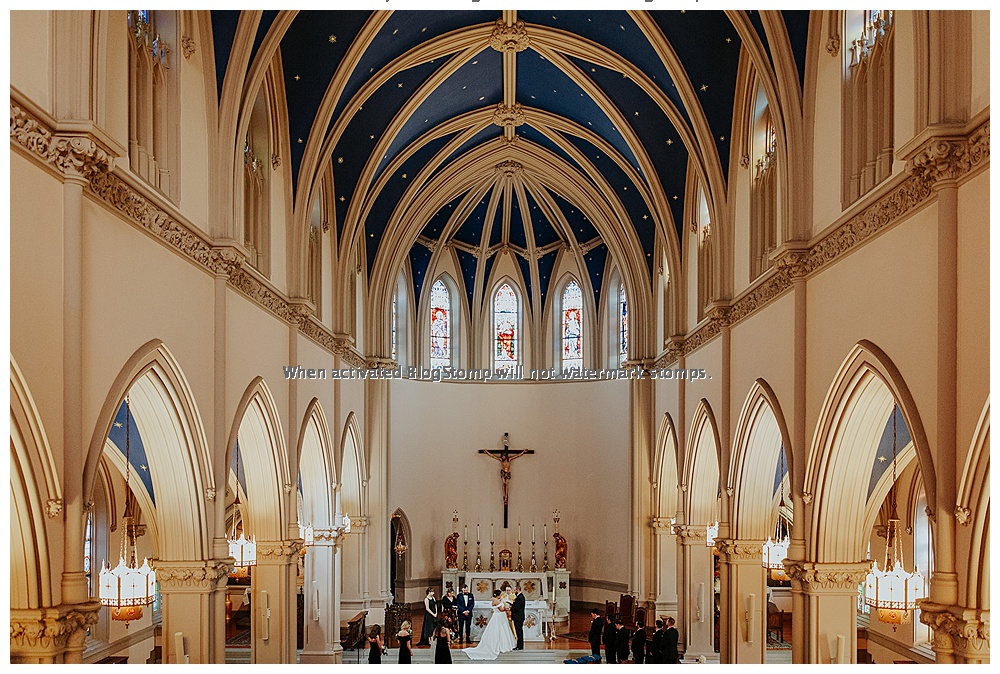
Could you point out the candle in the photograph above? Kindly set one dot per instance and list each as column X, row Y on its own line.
column 466, row 536
column 491, row 532
column 477, row 532
column 518, row 532
column 532, row 534
column 545, row 532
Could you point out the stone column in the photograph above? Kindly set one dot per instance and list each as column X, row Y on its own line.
column 377, row 553
column 194, row 603
column 744, row 601
column 830, row 597
column 642, row 393
column 52, row 634
column 664, row 567
column 961, row 634
column 321, row 631
column 352, row 570
column 273, row 603
column 697, row 573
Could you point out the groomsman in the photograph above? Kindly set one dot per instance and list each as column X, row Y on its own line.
column 621, row 640
column 610, row 644
column 596, row 631
column 465, row 603
column 639, row 645
column 670, row 655
column 654, row 653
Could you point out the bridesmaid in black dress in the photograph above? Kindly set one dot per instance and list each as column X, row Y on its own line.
column 375, row 645
column 405, row 649
column 430, row 618
column 442, row 650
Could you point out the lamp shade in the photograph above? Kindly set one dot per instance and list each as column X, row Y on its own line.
column 127, row 586
column 893, row 592
column 243, row 551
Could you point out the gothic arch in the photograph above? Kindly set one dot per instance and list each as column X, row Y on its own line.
column 353, row 469
column 180, row 464
column 851, row 421
column 257, row 427
column 33, row 476
column 316, row 467
column 665, row 481
column 403, row 523
column 973, row 510
column 760, row 433
column 701, row 472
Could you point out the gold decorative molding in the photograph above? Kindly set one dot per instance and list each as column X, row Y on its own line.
column 512, row 38
column 187, row 46
column 690, row 533
column 510, row 168
column 204, row 575
column 74, row 156
column 508, row 115
column 278, row 552
column 48, row 631
column 53, row 507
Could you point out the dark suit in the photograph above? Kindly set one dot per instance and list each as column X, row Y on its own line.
column 654, row 650
column 517, row 615
column 621, row 643
column 639, row 645
column 465, row 602
column 670, row 655
column 609, row 642
column 596, row 631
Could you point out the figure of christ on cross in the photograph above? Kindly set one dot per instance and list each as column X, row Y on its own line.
column 505, row 458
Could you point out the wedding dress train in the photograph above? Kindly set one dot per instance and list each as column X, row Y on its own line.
column 497, row 637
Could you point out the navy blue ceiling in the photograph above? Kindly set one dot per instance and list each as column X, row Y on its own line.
column 136, row 451
column 629, row 116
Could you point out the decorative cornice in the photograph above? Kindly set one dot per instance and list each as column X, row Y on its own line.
column 48, row 630
column 739, row 550
column 74, row 156
column 505, row 115
column 828, row 576
column 509, row 38
column 203, row 575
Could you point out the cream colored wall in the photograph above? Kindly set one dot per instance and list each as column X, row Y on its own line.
column 904, row 99
column 825, row 112
column 31, row 72
column 980, row 45
column 112, row 92
column 196, row 120
column 580, row 433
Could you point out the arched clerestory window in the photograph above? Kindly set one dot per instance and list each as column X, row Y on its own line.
column 571, row 322
column 506, row 329
column 441, row 325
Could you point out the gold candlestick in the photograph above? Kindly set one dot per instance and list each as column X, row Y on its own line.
column 465, row 555
column 493, row 566
column 534, row 567
column 479, row 558
column 520, row 567
column 545, row 555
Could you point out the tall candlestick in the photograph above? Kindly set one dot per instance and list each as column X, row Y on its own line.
column 466, row 536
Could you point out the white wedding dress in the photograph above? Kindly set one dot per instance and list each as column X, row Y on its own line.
column 497, row 637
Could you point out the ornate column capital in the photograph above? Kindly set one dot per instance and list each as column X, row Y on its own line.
column 278, row 552
column 75, row 156
column 690, row 534
column 660, row 525
column 510, row 168
column 47, row 632
column 940, row 159
column 957, row 629
column 740, row 551
column 505, row 115
column 192, row 576
column 829, row 577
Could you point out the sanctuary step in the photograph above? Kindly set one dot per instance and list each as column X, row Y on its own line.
column 542, row 656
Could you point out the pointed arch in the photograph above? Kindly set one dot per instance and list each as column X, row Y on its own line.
column 402, row 522
column 851, row 421
column 665, row 480
column 507, row 318
column 317, row 471
column 33, row 477
column 973, row 509
column 180, row 463
column 353, row 468
column 760, row 434
column 701, row 470
column 257, row 428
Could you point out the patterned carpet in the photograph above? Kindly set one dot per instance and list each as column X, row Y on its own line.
column 239, row 640
column 774, row 644
column 576, row 636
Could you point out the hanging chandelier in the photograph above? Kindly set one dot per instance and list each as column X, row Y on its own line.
column 711, row 531
column 400, row 547
column 242, row 550
column 128, row 587
column 307, row 534
column 775, row 550
column 893, row 590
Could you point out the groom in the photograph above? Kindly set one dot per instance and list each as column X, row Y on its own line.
column 517, row 615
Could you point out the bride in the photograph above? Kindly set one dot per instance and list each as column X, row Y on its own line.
column 497, row 637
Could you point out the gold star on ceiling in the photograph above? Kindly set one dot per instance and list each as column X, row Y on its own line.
column 332, row 39
column 341, row 198
column 399, row 85
column 881, row 459
column 722, row 137
column 143, row 466
column 675, row 197
column 118, row 424
column 704, row 87
column 300, row 140
column 670, row 141
column 645, row 217
column 404, row 175
column 728, row 40
column 372, row 137
column 297, row 78
column 340, row 160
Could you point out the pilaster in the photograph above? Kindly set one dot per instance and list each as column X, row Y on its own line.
column 274, row 601
column 194, row 604
column 830, row 594
column 744, row 596
column 697, row 614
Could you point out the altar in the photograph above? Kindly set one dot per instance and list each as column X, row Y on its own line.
column 546, row 597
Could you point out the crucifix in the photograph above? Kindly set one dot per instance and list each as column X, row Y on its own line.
column 505, row 458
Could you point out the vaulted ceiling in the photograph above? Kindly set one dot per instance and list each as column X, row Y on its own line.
column 613, row 106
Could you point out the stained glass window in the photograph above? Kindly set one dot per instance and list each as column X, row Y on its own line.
column 505, row 328
column 440, row 325
column 572, row 327
column 88, row 551
column 622, row 326
column 394, row 327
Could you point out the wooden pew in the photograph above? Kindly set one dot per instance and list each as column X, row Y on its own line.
column 352, row 632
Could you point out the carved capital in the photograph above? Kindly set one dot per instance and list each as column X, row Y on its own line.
column 957, row 628
column 833, row 576
column 833, row 45
column 941, row 159
column 77, row 156
column 225, row 260
column 46, row 632
column 509, row 38
column 192, row 575
column 660, row 525
column 187, row 46
column 278, row 552
column 510, row 168
column 275, row 161
column 793, row 264
column 505, row 115
column 733, row 550
column 689, row 533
